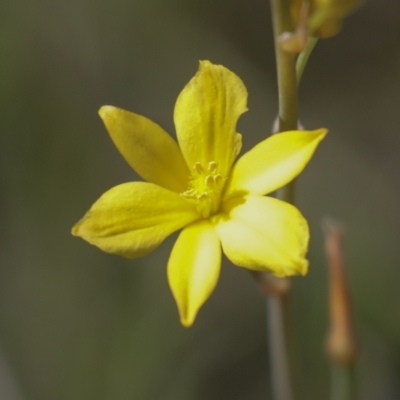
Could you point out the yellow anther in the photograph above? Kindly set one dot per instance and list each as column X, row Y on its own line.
column 217, row 179
column 198, row 168
column 209, row 180
column 212, row 166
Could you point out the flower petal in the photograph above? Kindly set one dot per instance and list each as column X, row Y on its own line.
column 273, row 163
column 265, row 234
column 206, row 113
column 132, row 219
column 193, row 268
column 147, row 148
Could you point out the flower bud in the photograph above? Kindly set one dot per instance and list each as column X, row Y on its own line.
column 340, row 343
column 324, row 16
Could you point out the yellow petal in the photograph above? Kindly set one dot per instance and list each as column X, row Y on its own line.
column 273, row 163
column 147, row 148
column 206, row 113
column 132, row 219
column 193, row 268
column 264, row 234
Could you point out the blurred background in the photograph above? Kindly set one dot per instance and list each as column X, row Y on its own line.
column 76, row 323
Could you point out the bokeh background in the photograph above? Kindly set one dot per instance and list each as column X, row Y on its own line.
column 79, row 324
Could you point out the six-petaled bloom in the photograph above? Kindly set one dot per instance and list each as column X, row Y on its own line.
column 197, row 186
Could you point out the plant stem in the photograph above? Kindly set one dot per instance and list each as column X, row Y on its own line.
column 280, row 332
column 342, row 382
column 303, row 57
column 281, row 368
column 282, row 363
column 286, row 67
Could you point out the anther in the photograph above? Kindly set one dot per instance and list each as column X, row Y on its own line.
column 217, row 179
column 198, row 168
column 209, row 180
column 212, row 166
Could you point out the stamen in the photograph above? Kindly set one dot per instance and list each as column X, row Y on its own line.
column 217, row 179
column 198, row 168
column 209, row 180
column 205, row 188
column 212, row 166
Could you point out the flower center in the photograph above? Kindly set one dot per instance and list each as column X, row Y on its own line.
column 205, row 188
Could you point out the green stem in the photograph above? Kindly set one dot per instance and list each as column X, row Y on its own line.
column 279, row 317
column 303, row 58
column 342, row 382
column 286, row 67
column 284, row 386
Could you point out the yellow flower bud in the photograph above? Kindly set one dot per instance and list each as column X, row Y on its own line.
column 324, row 16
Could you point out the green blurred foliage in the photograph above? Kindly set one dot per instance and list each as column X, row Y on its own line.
column 76, row 323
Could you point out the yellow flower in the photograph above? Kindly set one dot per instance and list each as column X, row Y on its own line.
column 325, row 16
column 195, row 186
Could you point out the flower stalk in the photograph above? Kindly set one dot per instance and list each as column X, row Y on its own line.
column 279, row 327
column 278, row 302
column 303, row 58
column 286, row 67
